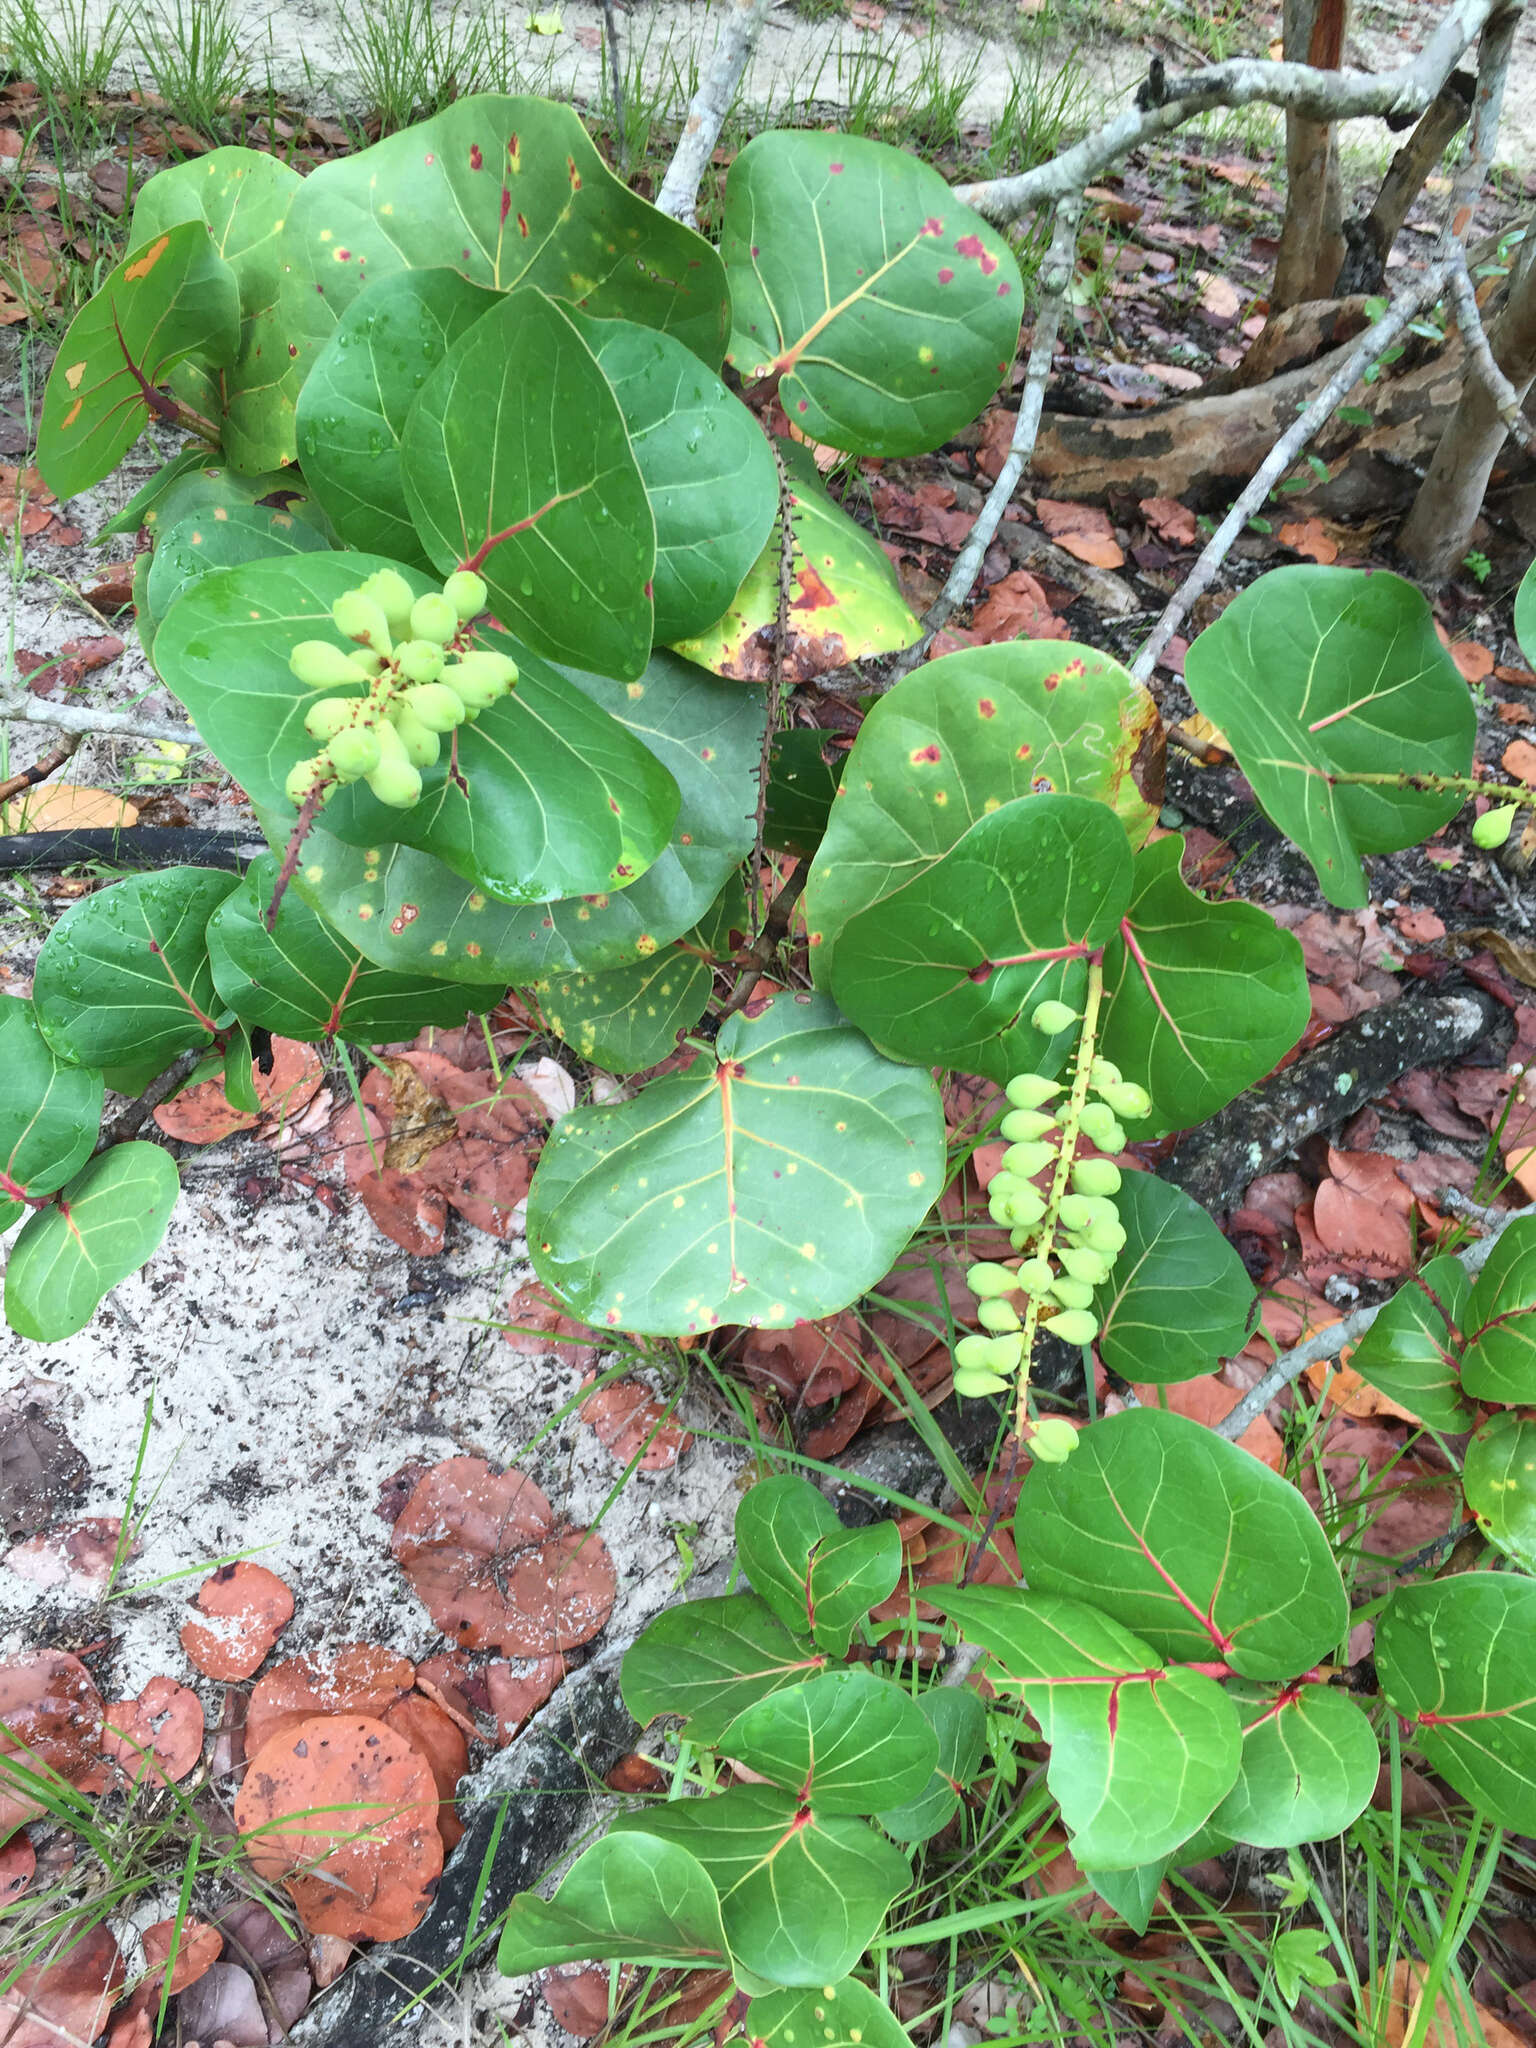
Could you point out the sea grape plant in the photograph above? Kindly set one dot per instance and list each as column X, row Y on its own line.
column 480, row 574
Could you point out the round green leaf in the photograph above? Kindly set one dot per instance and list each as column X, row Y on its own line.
column 779, row 1522
column 550, row 507
column 953, row 741
column 1178, row 974
column 1457, row 1659
column 1178, row 1298
column 1500, row 1480
column 408, row 912
column 1187, row 1540
column 50, row 1110
column 631, row 1017
column 1525, row 613
column 771, row 1184
column 301, row 980
column 352, row 410
column 707, row 467
column 1499, row 1361
column 888, row 311
column 845, row 2015
column 214, row 491
column 843, row 1742
column 1409, row 1352
column 709, row 1660
column 124, row 974
column 171, row 298
column 844, row 601
column 99, row 1228
column 851, row 1571
column 187, row 551
column 1310, row 1760
column 243, row 195
column 959, row 1722
column 802, row 1895
column 950, row 969
column 1141, row 1755
column 1314, row 672
column 544, row 795
column 630, row 1897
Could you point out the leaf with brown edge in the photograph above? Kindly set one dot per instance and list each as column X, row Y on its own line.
column 50, row 1727
column 159, row 1735
column 433, row 1735
column 483, row 1555
column 342, row 1811
column 362, row 1678
column 240, row 1613
column 194, row 1945
column 52, row 2004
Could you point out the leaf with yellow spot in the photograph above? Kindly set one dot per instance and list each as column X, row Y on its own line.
column 772, row 1183
column 174, row 298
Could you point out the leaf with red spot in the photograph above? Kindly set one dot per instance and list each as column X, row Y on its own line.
column 239, row 1614
column 888, row 311
column 844, row 600
column 50, row 1731
column 483, row 1554
column 1187, row 1540
column 158, row 1736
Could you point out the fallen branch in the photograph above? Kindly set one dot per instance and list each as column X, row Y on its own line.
column 679, row 194
column 44, row 766
column 1398, row 96
column 1424, row 291
column 82, row 718
column 1330, row 1342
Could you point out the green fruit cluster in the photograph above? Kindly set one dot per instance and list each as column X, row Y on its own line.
column 1069, row 1240
column 410, row 675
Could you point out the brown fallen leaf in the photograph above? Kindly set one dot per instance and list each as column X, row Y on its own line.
column 50, row 1722
column 1083, row 530
column 1211, row 1400
column 1519, row 760
column 195, row 1945
column 1171, row 521
column 1220, row 299
column 535, row 1325
column 18, row 1866
column 79, row 1556
column 1361, row 1214
column 431, row 1732
column 1473, row 659
column 362, row 1678
column 1016, row 608
column 1342, row 1387
column 1450, row 2024
column 158, row 1735
column 485, row 1558
column 204, row 1114
column 409, row 1212
column 517, row 1691
column 1309, row 537
column 65, row 2000
column 577, row 1994
column 240, row 1613
column 808, row 1364
column 66, row 807
column 342, row 1811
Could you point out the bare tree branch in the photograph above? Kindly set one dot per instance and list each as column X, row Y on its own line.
column 1493, row 53
column 1469, row 320
column 1330, row 1342
column 679, row 194
column 1424, row 290
column 616, row 84
column 1400, row 96
column 83, row 718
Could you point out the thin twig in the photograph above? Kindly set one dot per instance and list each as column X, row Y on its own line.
column 1330, row 1342
column 616, row 84
column 1371, row 344
column 137, row 1114
column 1399, row 95
column 44, row 766
column 82, row 718
column 1494, row 46
column 1469, row 320
column 775, row 704
column 679, row 194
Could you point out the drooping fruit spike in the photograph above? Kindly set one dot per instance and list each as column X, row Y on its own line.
column 322, row 665
column 421, row 746
column 439, row 708
column 361, row 618
column 324, row 720
column 394, row 597
column 467, row 593
column 302, row 778
column 433, row 617
column 419, row 661
column 355, row 752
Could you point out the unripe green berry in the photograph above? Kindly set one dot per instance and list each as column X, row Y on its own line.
column 1075, row 1213
column 359, row 617
column 302, row 778
column 1029, row 1091
column 397, row 784
column 322, row 665
column 434, row 617
column 1493, row 827
column 987, row 1280
column 439, row 708
column 975, row 1353
column 1024, row 1210
column 467, row 593
column 1083, row 1264
column 1053, row 1018
column 998, row 1315
column 1103, row 1073
column 1129, row 1100
column 1035, row 1275
column 481, row 676
column 355, row 752
column 1107, row 1237
column 1071, row 1293
column 419, row 661
column 974, row 1384
column 1028, row 1160
column 1023, row 1124
column 1095, row 1177
column 1101, row 1124
column 394, row 597
column 1054, row 1440
column 1074, row 1326
column 322, row 721
column 422, row 746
